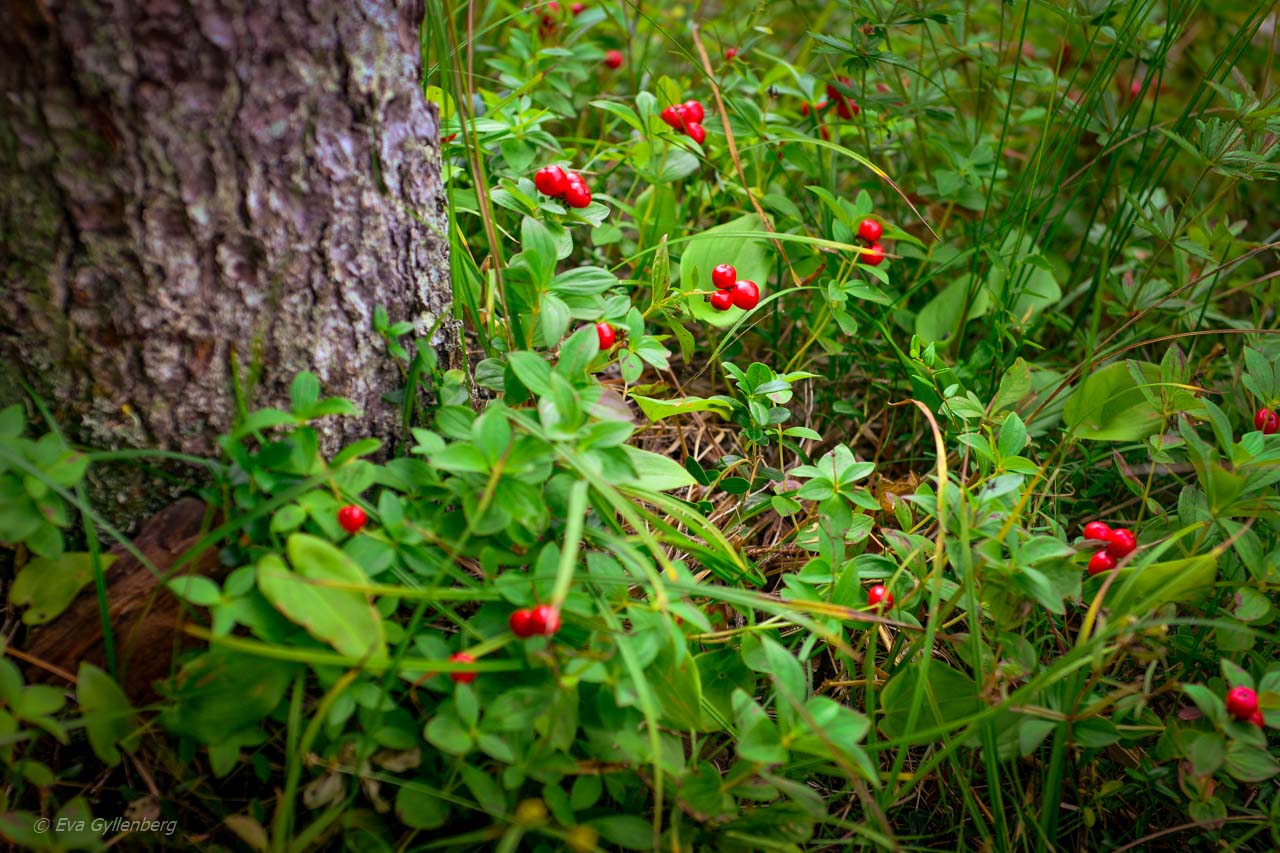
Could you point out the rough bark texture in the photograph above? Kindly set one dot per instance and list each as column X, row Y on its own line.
column 184, row 181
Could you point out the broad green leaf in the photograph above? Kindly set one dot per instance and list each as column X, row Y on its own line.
column 656, row 472
column 47, row 587
column 1142, row 589
column 221, row 692
column 949, row 696
column 656, row 410
column 344, row 618
column 108, row 717
column 725, row 244
column 939, row 320
column 1109, row 406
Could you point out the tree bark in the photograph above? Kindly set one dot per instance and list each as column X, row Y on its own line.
column 187, row 185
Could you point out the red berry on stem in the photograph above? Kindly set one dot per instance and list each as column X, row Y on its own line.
column 673, row 115
column 1096, row 530
column 880, row 597
column 608, row 337
column 521, row 622
column 1101, row 562
column 746, row 294
column 462, row 677
column 1242, row 702
column 870, row 230
column 613, row 59
column 722, row 300
column 576, row 193
column 352, row 518
column 578, row 8
column 693, row 111
column 731, row 53
column 874, row 256
column 546, row 620
column 1121, row 542
column 697, row 132
column 551, row 180
column 1256, row 719
column 1267, row 421
column 724, row 276
column 804, row 108
column 847, row 108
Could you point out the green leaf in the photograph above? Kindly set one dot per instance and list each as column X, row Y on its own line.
column 344, row 618
column 949, row 696
column 47, row 587
column 197, row 589
column 940, row 318
column 1109, row 406
column 419, row 809
column 108, row 717
column 679, row 688
column 733, row 243
column 656, row 472
column 532, row 370
column 222, row 692
column 1141, row 589
column 303, row 393
column 656, row 410
column 539, row 251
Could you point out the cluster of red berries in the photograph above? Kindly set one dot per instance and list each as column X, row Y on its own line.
column 352, row 518
column 559, row 183
column 869, row 232
column 1267, row 421
column 1120, row 543
column 1242, row 703
column 687, row 118
column 846, row 107
column 731, row 292
column 540, row 621
column 879, row 597
column 547, row 25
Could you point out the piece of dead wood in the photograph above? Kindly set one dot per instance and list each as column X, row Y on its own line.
column 146, row 618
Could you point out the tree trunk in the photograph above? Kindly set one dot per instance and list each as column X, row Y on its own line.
column 187, row 185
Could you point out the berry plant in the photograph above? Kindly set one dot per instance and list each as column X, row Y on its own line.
column 871, row 442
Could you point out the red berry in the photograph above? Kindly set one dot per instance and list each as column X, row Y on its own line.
column 1267, row 421
column 870, row 230
column 1242, row 702
column 576, row 193
column 578, row 8
column 449, row 138
column 880, row 597
column 352, row 518
column 545, row 619
column 613, row 59
column 608, row 337
column 521, row 622
column 696, row 132
column 673, row 115
column 722, row 300
column 1097, row 531
column 746, row 295
column 1256, row 719
column 551, row 180
column 847, row 108
column 825, row 132
column 731, row 53
column 553, row 7
column 1121, row 542
column 804, row 108
column 833, row 92
column 693, row 111
column 1101, row 562
column 462, row 677
column 724, row 276
column 874, row 256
